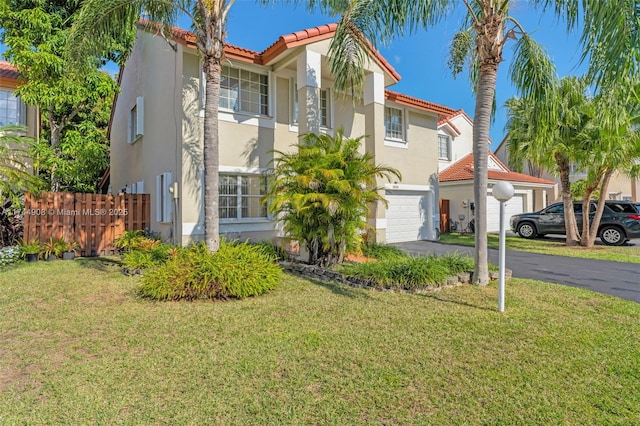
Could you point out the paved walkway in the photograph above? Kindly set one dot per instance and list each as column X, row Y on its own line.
column 613, row 278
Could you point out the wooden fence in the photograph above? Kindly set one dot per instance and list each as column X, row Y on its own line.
column 94, row 221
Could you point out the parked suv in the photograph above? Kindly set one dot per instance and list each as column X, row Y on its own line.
column 620, row 221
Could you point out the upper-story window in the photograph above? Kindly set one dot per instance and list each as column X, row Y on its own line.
column 12, row 110
column 444, row 147
column 394, row 124
column 244, row 91
column 324, row 106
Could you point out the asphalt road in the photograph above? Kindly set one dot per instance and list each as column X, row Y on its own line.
column 614, row 278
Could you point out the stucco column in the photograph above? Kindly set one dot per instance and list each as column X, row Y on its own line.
column 373, row 97
column 309, row 83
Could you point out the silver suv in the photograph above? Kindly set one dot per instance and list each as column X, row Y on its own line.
column 620, row 221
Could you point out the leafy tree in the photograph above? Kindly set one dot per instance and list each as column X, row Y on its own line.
column 72, row 150
column 323, row 194
column 610, row 34
column 103, row 20
column 579, row 189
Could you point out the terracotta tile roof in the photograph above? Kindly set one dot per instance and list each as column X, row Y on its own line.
column 9, row 75
column 285, row 42
column 417, row 103
column 462, row 170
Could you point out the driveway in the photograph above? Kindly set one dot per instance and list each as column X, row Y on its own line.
column 614, row 278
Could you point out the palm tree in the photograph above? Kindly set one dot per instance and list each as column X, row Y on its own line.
column 610, row 34
column 323, row 193
column 100, row 21
column 551, row 134
column 613, row 145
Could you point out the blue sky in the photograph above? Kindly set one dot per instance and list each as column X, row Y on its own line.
column 421, row 59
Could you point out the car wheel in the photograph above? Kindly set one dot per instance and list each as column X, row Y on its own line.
column 527, row 230
column 612, row 236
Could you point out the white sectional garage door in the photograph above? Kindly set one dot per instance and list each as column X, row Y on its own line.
column 407, row 218
column 514, row 206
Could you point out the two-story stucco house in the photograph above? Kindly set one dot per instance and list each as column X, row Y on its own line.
column 267, row 100
column 455, row 147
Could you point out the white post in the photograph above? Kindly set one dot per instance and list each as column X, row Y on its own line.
column 502, row 191
column 502, row 259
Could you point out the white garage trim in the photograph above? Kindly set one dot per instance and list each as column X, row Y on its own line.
column 514, row 206
column 410, row 213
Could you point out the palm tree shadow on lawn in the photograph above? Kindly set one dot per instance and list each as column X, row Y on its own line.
column 100, row 263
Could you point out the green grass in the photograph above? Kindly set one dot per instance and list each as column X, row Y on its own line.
column 78, row 347
column 554, row 247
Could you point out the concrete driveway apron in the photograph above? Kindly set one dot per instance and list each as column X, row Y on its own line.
column 614, row 278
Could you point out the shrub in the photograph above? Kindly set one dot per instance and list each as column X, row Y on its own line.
column 382, row 251
column 409, row 273
column 234, row 271
column 9, row 255
column 147, row 254
column 272, row 250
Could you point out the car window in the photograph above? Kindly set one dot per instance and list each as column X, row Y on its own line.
column 557, row 208
column 622, row 207
column 577, row 208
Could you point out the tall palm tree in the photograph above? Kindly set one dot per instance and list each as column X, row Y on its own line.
column 551, row 134
column 611, row 33
column 101, row 20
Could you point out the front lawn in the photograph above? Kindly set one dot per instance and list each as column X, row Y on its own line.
column 78, row 347
column 551, row 246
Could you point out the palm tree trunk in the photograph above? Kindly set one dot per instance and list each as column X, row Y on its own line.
column 482, row 120
column 604, row 187
column 211, row 154
column 571, row 227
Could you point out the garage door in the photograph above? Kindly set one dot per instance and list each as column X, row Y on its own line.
column 514, row 206
column 407, row 218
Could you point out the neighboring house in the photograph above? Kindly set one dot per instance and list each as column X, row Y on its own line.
column 267, row 100
column 457, row 199
column 12, row 110
column 621, row 187
column 455, row 138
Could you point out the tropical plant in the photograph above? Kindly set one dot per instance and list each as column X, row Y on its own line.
column 323, row 193
column 32, row 246
column 10, row 223
column 72, row 149
column 552, row 133
column 103, row 20
column 16, row 176
column 9, row 255
column 610, row 39
column 53, row 248
column 234, row 271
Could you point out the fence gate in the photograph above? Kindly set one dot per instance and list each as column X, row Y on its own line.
column 94, row 221
column 444, row 216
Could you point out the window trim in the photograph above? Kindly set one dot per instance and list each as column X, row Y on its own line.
column 394, row 141
column 449, row 146
column 239, row 196
column 136, row 121
column 21, row 108
column 163, row 197
column 293, row 103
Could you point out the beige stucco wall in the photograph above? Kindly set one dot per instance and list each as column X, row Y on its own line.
column 461, row 144
column 149, row 72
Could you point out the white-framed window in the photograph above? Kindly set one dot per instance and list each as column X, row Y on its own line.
column 244, row 91
column 136, row 120
column 12, row 109
column 241, row 196
column 444, row 147
column 163, row 197
column 394, row 124
column 324, row 106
